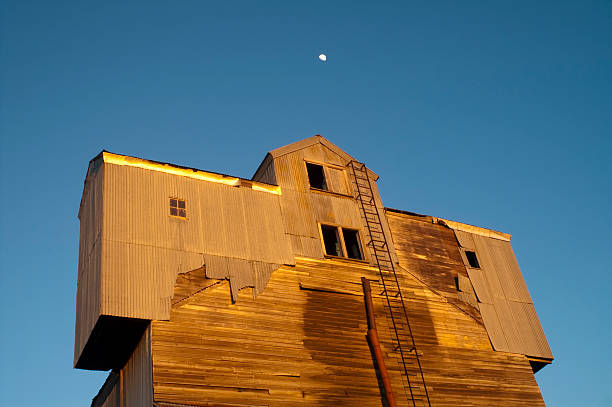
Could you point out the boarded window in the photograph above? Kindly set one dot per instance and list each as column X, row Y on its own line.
column 352, row 244
column 316, row 176
column 472, row 259
column 178, row 208
column 331, row 240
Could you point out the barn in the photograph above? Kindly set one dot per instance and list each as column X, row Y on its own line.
column 296, row 287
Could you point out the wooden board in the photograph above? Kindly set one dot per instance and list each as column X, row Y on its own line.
column 430, row 252
column 302, row 342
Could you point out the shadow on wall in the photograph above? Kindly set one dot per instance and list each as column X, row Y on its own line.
column 334, row 334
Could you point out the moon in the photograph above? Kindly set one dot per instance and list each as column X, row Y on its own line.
column 323, row 57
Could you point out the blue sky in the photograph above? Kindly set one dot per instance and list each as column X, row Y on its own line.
column 498, row 115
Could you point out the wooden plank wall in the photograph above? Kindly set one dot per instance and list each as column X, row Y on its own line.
column 505, row 303
column 302, row 342
column 430, row 252
column 137, row 375
column 89, row 266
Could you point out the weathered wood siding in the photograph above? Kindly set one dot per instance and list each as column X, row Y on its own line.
column 90, row 255
column 505, row 303
column 302, row 342
column 137, row 379
column 430, row 252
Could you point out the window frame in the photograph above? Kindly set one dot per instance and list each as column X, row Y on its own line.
column 177, row 207
column 340, row 234
column 325, row 176
column 466, row 261
column 326, row 167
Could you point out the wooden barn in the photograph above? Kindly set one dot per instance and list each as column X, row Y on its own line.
column 294, row 288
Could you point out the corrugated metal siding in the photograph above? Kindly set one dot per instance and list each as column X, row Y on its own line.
column 265, row 173
column 303, row 208
column 138, row 375
column 145, row 248
column 138, row 280
column 536, row 327
column 494, row 327
column 89, row 267
column 113, row 398
column 480, row 285
column 506, row 306
column 241, row 273
column 336, row 179
column 465, row 239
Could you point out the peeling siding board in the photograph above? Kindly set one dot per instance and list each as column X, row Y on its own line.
column 138, row 375
column 137, row 280
column 240, row 273
column 142, row 257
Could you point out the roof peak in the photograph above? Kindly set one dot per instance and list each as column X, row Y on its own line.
column 307, row 142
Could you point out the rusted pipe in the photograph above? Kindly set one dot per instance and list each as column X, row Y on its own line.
column 374, row 342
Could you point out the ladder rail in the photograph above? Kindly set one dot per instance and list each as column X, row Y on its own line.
column 377, row 257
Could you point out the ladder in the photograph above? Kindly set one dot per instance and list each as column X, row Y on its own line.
column 402, row 339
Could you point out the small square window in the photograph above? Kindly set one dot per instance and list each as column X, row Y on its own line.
column 352, row 244
column 178, row 208
column 316, row 176
column 331, row 240
column 472, row 259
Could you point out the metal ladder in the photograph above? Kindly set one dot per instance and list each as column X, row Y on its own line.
column 403, row 341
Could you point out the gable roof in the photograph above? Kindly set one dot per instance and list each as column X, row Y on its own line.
column 299, row 145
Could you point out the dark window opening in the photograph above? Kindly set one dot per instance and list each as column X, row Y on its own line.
column 316, row 176
column 352, row 243
column 331, row 240
column 457, row 284
column 178, row 208
column 472, row 259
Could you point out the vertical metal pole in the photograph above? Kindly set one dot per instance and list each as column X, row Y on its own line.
column 375, row 344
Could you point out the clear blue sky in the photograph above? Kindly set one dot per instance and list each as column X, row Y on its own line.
column 495, row 115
